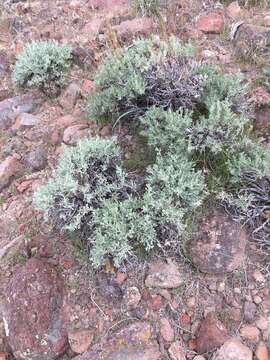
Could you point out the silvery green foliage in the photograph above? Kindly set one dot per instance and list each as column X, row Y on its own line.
column 251, row 158
column 166, row 130
column 86, row 176
column 219, row 131
column 119, row 228
column 121, row 83
column 42, row 65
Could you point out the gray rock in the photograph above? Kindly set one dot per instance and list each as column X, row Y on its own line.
column 37, row 158
column 13, row 107
column 163, row 275
column 233, row 349
column 25, row 121
column 219, row 244
column 249, row 311
column 251, row 41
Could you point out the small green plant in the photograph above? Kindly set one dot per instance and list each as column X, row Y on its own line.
column 43, row 65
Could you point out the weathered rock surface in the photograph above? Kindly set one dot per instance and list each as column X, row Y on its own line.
column 249, row 311
column 133, row 343
column 33, row 316
column 250, row 332
column 80, row 340
column 70, row 96
column 210, row 23
column 262, row 351
column 219, row 245
column 233, row 349
column 9, row 169
column 24, row 121
column 163, row 275
column 37, row 158
column 13, row 107
column 211, row 335
column 176, row 351
column 166, row 330
column 129, row 29
column 251, row 40
column 73, row 134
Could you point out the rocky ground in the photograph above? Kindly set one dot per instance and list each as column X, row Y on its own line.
column 52, row 304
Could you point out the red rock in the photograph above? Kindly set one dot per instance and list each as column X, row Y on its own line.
column 185, row 319
column 73, row 134
column 3, row 356
column 67, row 263
column 234, row 9
column 262, row 352
column 120, row 278
column 9, row 169
column 176, row 351
column 55, row 138
column 266, row 20
column 260, row 96
column 70, row 96
column 87, row 87
column 192, row 344
column 211, row 335
column 80, row 340
column 250, row 332
column 130, row 29
column 33, row 312
column 22, row 228
column 156, row 302
column 64, row 121
column 166, row 330
column 25, row 185
column 210, row 23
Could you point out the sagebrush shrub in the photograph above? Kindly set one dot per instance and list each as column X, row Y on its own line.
column 42, row 65
column 86, row 176
column 124, row 80
column 194, row 120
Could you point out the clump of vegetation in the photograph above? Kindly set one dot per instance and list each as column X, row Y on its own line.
column 194, row 123
column 125, row 81
column 43, row 65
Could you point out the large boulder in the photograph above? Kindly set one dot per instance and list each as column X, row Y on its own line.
column 132, row 342
column 33, row 312
column 11, row 108
column 233, row 349
column 219, row 244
